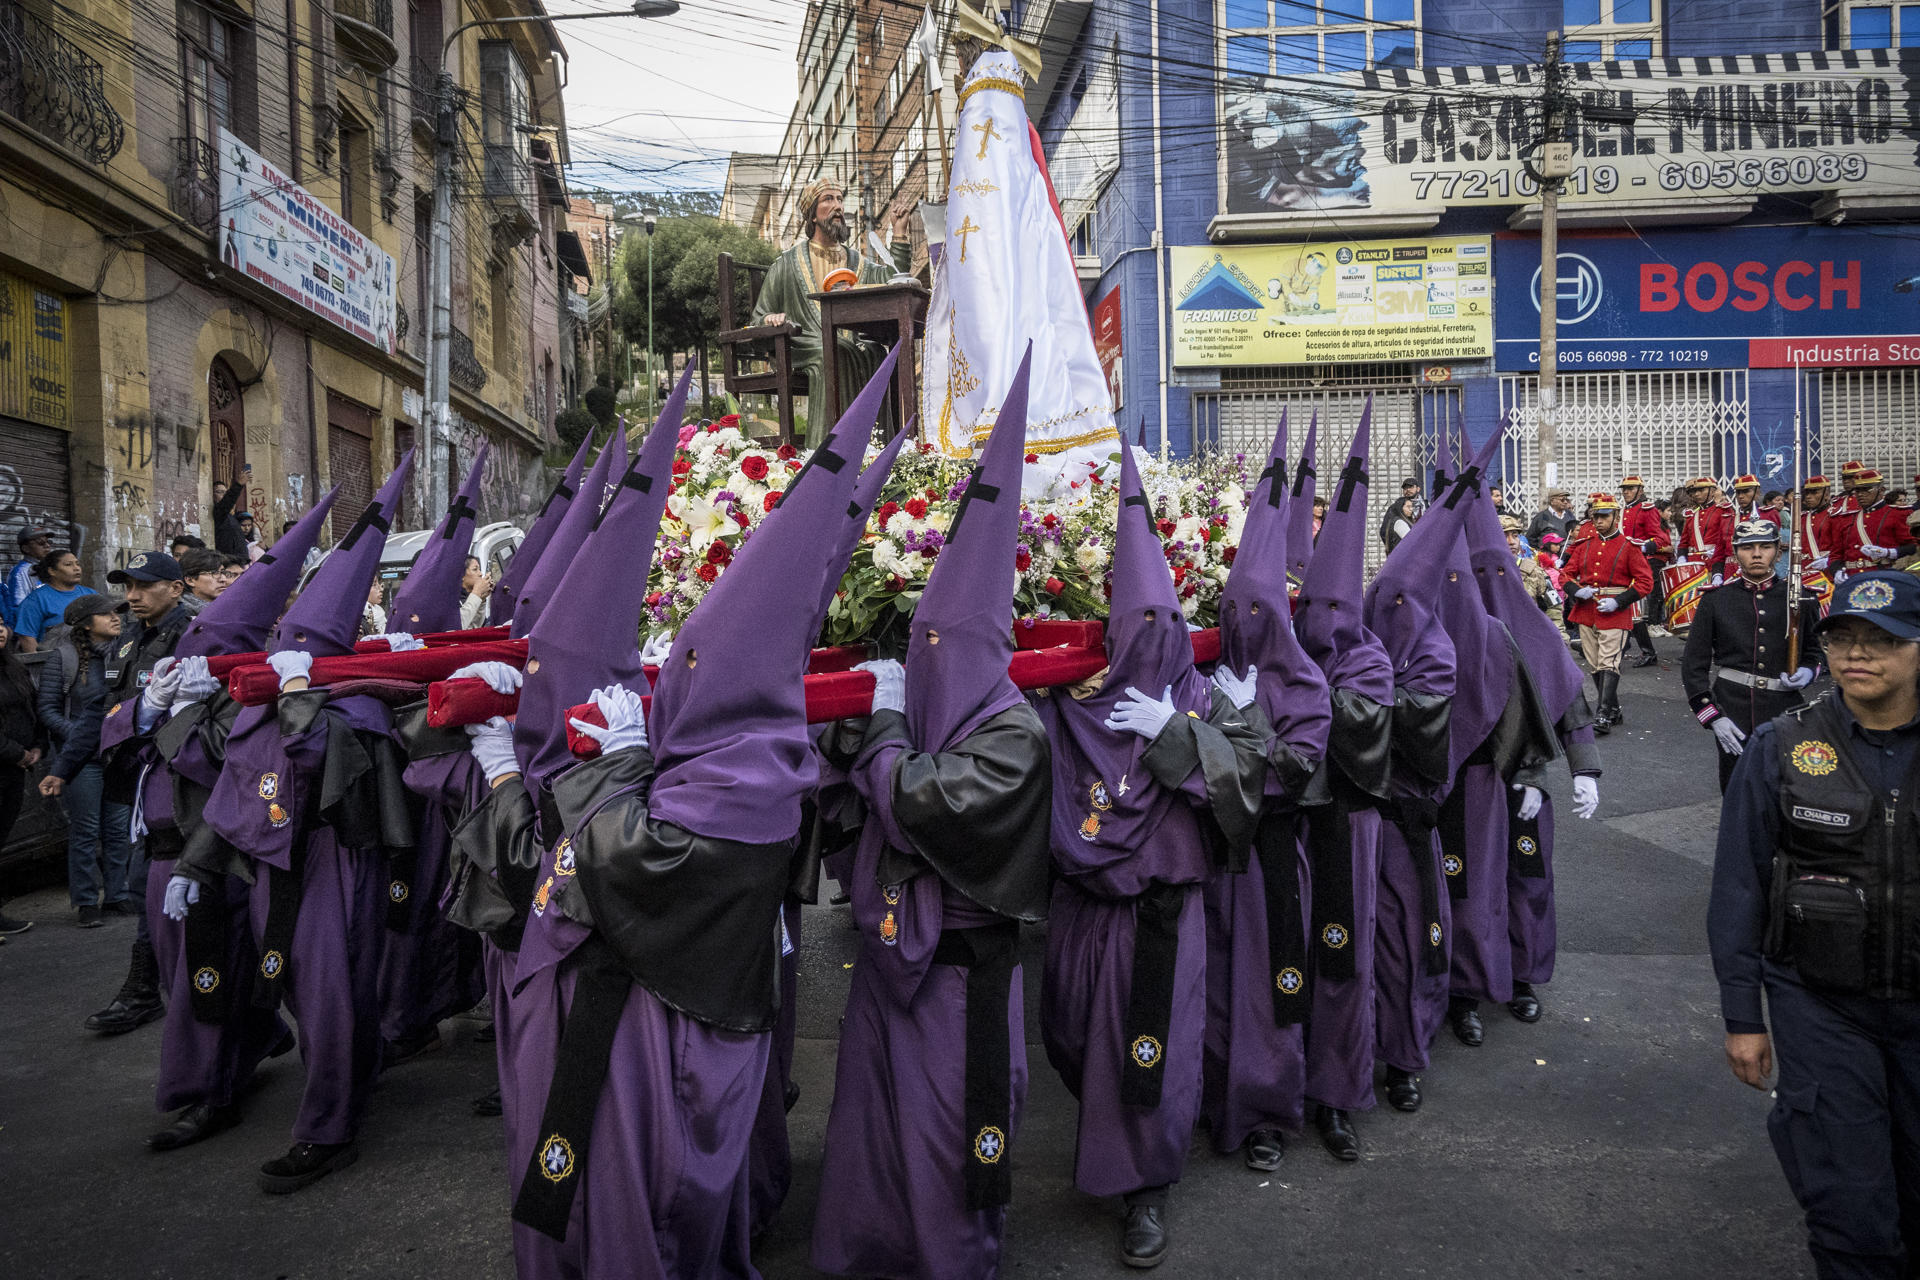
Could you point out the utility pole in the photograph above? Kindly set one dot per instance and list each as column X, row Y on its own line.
column 1556, row 162
column 649, row 221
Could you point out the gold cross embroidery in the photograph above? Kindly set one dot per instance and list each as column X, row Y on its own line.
column 965, row 229
column 987, row 134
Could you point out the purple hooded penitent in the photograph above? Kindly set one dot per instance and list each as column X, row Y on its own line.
column 429, row 598
column 571, row 535
column 1330, row 621
column 243, row 615
column 866, row 493
column 1300, row 506
column 1483, row 659
column 963, row 630
column 1256, row 624
column 325, row 620
column 539, row 533
column 588, row 635
column 1542, row 645
column 729, row 719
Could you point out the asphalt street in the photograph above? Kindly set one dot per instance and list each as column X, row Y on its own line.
column 1608, row 1140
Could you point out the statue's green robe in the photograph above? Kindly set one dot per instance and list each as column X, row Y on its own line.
column 789, row 282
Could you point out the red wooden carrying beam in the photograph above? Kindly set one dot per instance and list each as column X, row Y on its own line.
column 257, row 683
column 226, row 662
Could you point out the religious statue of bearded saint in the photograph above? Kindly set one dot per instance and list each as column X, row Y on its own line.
column 802, row 270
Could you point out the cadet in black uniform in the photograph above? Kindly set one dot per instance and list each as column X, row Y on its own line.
column 1816, row 899
column 1735, row 665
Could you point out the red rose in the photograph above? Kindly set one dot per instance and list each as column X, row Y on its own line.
column 793, row 464
column 928, row 553
column 1033, row 457
column 731, row 420
column 1179, row 573
column 682, row 466
column 719, row 552
column 896, row 582
column 1187, row 591
column 1055, row 586
column 932, row 495
column 769, row 502
column 1228, row 554
column 707, row 572
column 740, row 518
column 888, row 512
column 786, row 451
column 917, row 508
column 713, row 428
column 1022, row 559
column 1049, row 520
column 1165, row 527
column 753, row 467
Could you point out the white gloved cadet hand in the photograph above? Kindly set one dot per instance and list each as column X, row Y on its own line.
column 655, row 650
column 1586, row 796
column 197, row 682
column 626, row 719
column 1236, row 690
column 1584, row 593
column 499, row 676
column 1530, row 801
column 182, row 893
column 163, row 686
column 400, row 641
column 1143, row 715
column 1816, row 564
column 291, row 664
column 1608, row 605
column 1872, row 552
column 889, row 684
column 1732, row 739
column 491, row 743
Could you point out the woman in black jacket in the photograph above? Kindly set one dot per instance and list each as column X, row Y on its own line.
column 73, row 696
column 21, row 742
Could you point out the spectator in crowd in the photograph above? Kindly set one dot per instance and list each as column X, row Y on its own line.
column 1499, row 497
column 1532, row 576
column 1397, row 522
column 183, row 543
column 227, row 534
column 1774, row 500
column 46, row 604
column 373, row 620
column 202, row 568
column 1410, row 490
column 230, row 567
column 73, row 697
column 22, row 741
column 35, row 543
column 1556, row 517
column 1897, row 498
column 477, row 590
column 1319, row 516
column 247, row 528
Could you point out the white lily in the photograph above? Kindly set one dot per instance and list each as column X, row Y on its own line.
column 705, row 521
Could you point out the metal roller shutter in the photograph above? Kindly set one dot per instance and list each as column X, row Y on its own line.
column 35, row 485
column 1872, row 415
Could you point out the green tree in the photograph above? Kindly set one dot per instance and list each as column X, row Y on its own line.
column 686, row 280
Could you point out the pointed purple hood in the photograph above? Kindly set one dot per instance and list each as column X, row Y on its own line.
column 1331, row 622
column 240, row 620
column 571, row 535
column 1542, row 645
column 539, row 533
column 866, row 494
column 1256, row 624
column 429, row 598
column 1300, row 506
column 1482, row 657
column 588, row 636
column 325, row 620
column 962, row 634
column 729, row 716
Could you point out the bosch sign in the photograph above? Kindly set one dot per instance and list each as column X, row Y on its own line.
column 1768, row 297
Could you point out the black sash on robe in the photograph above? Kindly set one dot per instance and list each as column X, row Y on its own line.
column 988, row 954
column 1276, row 842
column 1156, row 952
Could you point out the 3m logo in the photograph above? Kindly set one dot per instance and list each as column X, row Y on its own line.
column 1825, row 817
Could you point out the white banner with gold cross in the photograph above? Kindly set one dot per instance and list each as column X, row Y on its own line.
column 1005, row 276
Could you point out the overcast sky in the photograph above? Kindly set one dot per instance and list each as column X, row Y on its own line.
column 657, row 104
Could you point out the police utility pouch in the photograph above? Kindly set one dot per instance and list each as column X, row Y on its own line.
column 1823, row 931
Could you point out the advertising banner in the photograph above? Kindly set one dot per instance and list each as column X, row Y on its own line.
column 1761, row 297
column 35, row 367
column 274, row 229
column 1107, row 342
column 1441, row 138
column 1333, row 301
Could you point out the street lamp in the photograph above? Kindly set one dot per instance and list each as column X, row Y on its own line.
column 439, row 390
column 648, row 220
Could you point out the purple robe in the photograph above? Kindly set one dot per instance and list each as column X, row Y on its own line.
column 1255, row 1073
column 1340, row 1030
column 430, row 969
column 1482, row 960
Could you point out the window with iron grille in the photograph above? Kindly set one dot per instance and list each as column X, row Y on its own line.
column 1851, row 25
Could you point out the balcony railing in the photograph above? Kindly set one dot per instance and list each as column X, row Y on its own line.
column 193, row 188
column 365, row 28
column 424, row 82
column 463, row 366
column 49, row 85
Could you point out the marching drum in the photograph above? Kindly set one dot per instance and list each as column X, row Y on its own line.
column 1681, row 585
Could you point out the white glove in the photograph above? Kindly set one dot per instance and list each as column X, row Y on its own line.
column 889, row 684
column 1817, row 563
column 1584, row 593
column 1530, row 802
column 1143, row 715
column 626, row 720
column 196, row 682
column 163, row 686
column 499, row 676
column 1608, row 605
column 1872, row 552
column 400, row 641
column 1732, row 740
column 291, row 664
column 491, row 743
column 1717, row 580
column 1586, row 796
column 655, row 650
column 181, row 894
column 1800, row 678
column 1237, row 691
column 1193, row 626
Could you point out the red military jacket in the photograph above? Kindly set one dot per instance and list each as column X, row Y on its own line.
column 1614, row 567
column 1881, row 525
column 1643, row 524
column 1707, row 534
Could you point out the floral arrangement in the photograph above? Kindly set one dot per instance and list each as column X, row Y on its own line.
column 724, row 484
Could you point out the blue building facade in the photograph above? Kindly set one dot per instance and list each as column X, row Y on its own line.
column 1739, row 244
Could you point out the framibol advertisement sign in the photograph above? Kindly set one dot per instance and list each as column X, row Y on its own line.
column 1763, row 298
column 274, row 229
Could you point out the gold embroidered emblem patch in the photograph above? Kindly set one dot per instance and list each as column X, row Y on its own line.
column 988, row 1144
column 1451, row 864
column 1869, row 596
column 1433, row 934
column 540, row 896
column 1098, row 797
column 206, row 980
column 269, row 786
column 271, row 964
column 1145, row 1052
column 556, row 1159
column 1090, row 829
column 276, row 816
column 890, row 931
column 1290, row 981
column 397, row 891
column 1527, row 845
column 1335, row 936
column 563, row 864
column 1815, row 758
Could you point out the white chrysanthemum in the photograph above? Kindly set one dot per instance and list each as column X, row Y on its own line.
column 1090, row 559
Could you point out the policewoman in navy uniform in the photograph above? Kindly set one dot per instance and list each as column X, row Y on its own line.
column 1816, row 901
column 1735, row 666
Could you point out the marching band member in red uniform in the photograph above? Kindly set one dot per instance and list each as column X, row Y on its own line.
column 1874, row 532
column 1706, row 534
column 1746, row 506
column 1604, row 574
column 1640, row 521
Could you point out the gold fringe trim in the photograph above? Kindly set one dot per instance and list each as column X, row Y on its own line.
column 993, row 82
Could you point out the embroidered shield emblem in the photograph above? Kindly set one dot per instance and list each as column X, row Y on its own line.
column 556, row 1159
column 1090, row 829
column 1869, row 596
column 890, row 931
column 206, row 980
column 1815, row 758
column 276, row 816
column 541, row 895
column 988, row 1144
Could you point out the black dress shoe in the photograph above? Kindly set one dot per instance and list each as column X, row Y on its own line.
column 126, row 1013
column 1336, row 1134
column 88, row 917
column 791, row 1096
column 1647, row 659
column 1464, row 1017
column 417, row 1045
column 1524, row 1005
column 1143, row 1240
column 840, row 899
column 488, row 1105
column 195, row 1124
column 1265, row 1149
column 1403, row 1090
column 305, row 1164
